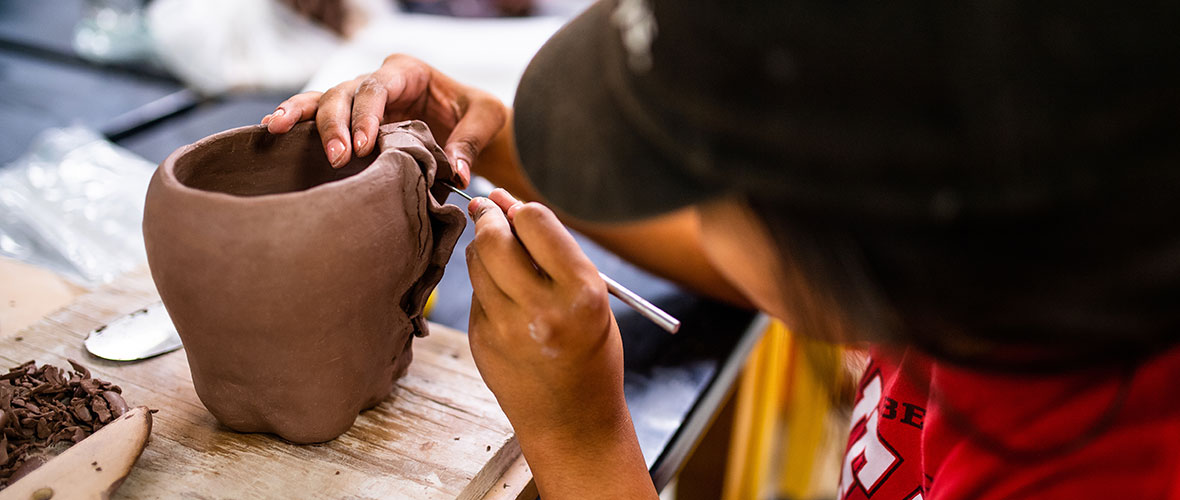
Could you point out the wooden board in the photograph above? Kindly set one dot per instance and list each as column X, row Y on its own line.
column 27, row 293
column 440, row 435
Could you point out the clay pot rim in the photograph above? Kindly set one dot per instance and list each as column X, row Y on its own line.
column 168, row 171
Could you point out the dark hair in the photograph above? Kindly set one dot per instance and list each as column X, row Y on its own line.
column 1028, row 216
column 1072, row 284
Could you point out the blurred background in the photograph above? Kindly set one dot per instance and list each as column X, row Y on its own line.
column 100, row 63
column 95, row 93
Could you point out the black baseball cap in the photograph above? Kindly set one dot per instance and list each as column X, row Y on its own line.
column 915, row 109
column 994, row 181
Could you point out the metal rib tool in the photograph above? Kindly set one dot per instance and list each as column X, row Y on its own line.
column 639, row 304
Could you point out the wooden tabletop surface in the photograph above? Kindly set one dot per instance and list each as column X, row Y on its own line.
column 439, row 435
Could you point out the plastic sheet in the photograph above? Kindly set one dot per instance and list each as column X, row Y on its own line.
column 113, row 31
column 74, row 204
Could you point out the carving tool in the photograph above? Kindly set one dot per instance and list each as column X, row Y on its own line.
column 639, row 304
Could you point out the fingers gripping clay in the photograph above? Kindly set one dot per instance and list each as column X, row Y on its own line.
column 298, row 288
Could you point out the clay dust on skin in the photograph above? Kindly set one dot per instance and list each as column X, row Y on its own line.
column 539, row 332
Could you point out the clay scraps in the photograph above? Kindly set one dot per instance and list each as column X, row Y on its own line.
column 45, row 409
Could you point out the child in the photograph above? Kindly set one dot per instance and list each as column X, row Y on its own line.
column 985, row 190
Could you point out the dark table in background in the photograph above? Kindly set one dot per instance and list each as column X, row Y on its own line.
column 675, row 385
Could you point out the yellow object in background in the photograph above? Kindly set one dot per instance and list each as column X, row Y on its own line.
column 782, row 441
column 430, row 303
column 759, row 394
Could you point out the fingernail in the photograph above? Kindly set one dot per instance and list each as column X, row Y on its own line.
column 509, row 195
column 279, row 112
column 474, row 209
column 361, row 139
column 335, row 150
column 464, row 171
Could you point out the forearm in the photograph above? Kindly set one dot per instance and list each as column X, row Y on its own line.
column 608, row 465
column 666, row 246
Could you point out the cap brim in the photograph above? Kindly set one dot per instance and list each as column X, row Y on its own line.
column 574, row 137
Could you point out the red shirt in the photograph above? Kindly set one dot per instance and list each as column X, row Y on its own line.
column 926, row 430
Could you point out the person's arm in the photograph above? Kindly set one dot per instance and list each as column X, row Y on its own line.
column 605, row 465
column 476, row 130
column 546, row 343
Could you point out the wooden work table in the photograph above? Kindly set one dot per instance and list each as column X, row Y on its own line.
column 439, row 435
column 675, row 384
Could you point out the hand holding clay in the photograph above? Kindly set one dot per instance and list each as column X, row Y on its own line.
column 463, row 118
column 541, row 328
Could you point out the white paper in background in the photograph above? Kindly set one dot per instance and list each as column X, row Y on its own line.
column 490, row 54
column 74, row 204
column 216, row 46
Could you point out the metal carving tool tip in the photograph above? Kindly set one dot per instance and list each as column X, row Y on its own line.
column 646, row 309
column 458, row 191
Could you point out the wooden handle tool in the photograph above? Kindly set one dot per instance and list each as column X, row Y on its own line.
column 92, row 469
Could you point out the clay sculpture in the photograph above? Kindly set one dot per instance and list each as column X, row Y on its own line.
column 297, row 288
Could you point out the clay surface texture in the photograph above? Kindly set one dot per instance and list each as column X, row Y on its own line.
column 44, row 410
column 297, row 288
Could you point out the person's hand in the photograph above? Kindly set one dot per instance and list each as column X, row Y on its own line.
column 547, row 345
column 541, row 328
column 462, row 118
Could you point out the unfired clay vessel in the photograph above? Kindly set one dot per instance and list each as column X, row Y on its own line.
column 297, row 288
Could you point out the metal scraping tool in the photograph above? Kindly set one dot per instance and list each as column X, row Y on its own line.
column 142, row 334
column 639, row 304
